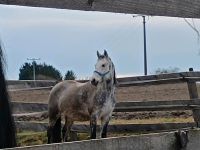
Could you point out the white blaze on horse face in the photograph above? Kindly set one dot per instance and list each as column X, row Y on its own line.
column 102, row 65
column 103, row 68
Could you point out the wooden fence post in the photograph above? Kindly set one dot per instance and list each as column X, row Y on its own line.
column 193, row 92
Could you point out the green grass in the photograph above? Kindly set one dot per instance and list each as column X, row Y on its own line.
column 28, row 138
column 147, row 121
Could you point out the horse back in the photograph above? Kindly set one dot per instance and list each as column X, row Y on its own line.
column 66, row 94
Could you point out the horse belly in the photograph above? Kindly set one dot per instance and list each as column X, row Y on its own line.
column 77, row 114
column 81, row 117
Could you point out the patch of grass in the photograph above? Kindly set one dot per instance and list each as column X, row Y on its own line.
column 153, row 120
column 28, row 138
column 146, row 121
column 83, row 136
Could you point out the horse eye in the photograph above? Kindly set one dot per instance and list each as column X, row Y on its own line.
column 103, row 65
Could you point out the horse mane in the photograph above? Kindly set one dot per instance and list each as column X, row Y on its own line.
column 115, row 78
column 7, row 127
column 113, row 66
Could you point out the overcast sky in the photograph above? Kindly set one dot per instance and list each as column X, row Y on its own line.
column 68, row 40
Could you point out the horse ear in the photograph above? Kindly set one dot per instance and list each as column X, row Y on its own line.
column 98, row 54
column 105, row 53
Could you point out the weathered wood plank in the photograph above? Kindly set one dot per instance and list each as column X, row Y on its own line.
column 32, row 89
column 173, row 8
column 171, row 78
column 151, row 82
column 39, row 127
column 19, row 107
column 155, row 108
column 180, row 75
column 138, row 127
column 128, row 106
column 193, row 92
column 158, row 103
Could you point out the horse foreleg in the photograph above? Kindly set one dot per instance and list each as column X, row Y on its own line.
column 93, row 126
column 104, row 130
column 64, row 137
column 104, row 126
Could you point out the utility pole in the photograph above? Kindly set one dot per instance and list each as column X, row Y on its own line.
column 145, row 49
column 33, row 63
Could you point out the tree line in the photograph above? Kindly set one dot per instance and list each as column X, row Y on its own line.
column 43, row 72
column 48, row 72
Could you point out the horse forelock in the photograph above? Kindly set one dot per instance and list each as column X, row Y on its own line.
column 101, row 57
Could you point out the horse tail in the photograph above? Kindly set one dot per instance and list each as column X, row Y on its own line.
column 54, row 129
column 54, row 132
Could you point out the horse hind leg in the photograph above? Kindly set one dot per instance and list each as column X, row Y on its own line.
column 93, row 126
column 54, row 132
column 54, row 129
column 66, row 130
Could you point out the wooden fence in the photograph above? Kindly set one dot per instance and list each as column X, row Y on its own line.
column 193, row 104
column 184, row 77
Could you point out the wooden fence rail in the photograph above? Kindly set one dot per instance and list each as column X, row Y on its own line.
column 128, row 106
column 128, row 81
column 157, row 105
column 172, row 78
column 84, row 128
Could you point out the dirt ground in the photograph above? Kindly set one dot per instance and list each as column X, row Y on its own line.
column 135, row 93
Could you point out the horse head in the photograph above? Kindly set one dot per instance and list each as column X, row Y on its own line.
column 104, row 70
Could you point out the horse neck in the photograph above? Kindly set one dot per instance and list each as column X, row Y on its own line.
column 90, row 88
column 97, row 90
column 107, row 88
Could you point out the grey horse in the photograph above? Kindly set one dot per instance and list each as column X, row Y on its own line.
column 90, row 101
